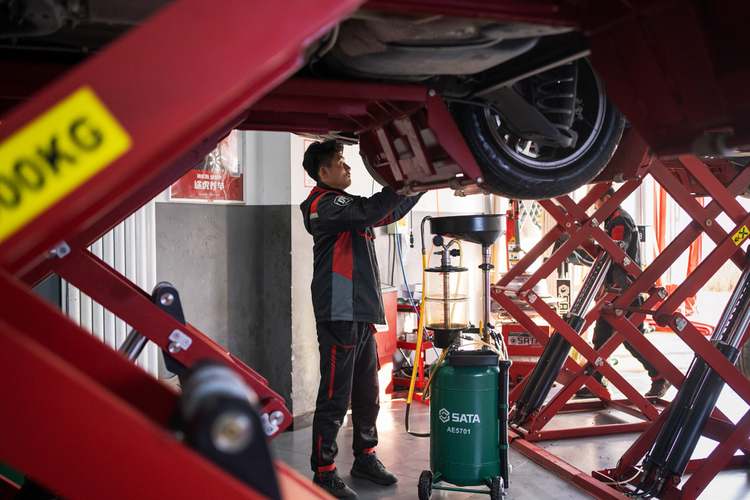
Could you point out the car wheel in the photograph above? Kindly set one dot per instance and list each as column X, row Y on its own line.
column 521, row 168
column 740, row 163
column 743, row 362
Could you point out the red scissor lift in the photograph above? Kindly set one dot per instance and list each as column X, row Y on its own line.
column 163, row 100
column 79, row 418
column 158, row 110
column 682, row 178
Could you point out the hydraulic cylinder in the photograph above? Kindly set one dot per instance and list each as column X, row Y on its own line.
column 688, row 414
column 558, row 349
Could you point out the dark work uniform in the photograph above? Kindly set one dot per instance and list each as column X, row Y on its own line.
column 621, row 227
column 347, row 301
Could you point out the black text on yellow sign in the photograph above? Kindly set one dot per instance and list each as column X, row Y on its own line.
column 740, row 235
column 53, row 155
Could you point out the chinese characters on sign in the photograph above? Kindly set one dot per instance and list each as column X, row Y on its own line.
column 217, row 178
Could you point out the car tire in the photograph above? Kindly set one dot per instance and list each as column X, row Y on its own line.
column 743, row 362
column 545, row 172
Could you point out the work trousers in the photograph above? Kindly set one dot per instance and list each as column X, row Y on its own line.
column 348, row 372
column 603, row 331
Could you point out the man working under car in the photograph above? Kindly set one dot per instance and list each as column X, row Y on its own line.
column 621, row 227
column 347, row 302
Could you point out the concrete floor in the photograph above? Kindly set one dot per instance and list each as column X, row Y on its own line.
column 408, row 456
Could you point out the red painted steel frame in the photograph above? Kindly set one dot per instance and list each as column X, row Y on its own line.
column 612, row 307
column 573, row 375
column 574, row 476
column 730, row 437
column 165, row 101
column 71, row 403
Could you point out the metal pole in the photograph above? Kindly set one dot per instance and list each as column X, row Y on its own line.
column 133, row 345
column 486, row 272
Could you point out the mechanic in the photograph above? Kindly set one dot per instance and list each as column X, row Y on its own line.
column 347, row 303
column 621, row 227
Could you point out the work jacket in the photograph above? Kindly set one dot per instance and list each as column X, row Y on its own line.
column 620, row 226
column 346, row 277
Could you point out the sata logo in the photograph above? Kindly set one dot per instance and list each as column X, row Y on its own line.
column 445, row 415
column 466, row 418
column 343, row 201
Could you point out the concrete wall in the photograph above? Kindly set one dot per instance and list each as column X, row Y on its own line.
column 244, row 271
column 232, row 263
column 231, row 267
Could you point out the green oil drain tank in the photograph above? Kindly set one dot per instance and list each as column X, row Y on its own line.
column 468, row 419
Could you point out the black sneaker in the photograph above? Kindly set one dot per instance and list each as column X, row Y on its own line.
column 585, row 392
column 658, row 388
column 334, row 485
column 368, row 467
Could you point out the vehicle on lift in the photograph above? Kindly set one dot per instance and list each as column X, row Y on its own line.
column 532, row 111
column 529, row 105
column 525, row 97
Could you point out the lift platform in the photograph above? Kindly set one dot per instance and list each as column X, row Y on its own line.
column 682, row 178
column 110, row 133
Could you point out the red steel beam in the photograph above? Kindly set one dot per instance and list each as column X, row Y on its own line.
column 145, row 193
column 159, row 106
column 26, row 311
column 664, row 260
column 706, row 350
column 563, row 469
column 710, row 265
column 120, row 296
column 719, row 458
column 62, row 422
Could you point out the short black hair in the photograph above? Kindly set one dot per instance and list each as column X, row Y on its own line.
column 320, row 154
column 609, row 192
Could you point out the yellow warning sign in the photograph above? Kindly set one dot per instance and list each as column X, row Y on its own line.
column 740, row 235
column 54, row 154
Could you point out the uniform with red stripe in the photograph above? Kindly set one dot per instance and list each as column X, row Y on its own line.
column 620, row 226
column 347, row 301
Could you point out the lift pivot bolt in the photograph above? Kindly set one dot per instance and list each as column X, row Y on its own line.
column 599, row 362
column 231, row 432
column 568, row 224
column 276, row 417
column 179, row 342
column 618, row 312
column 626, row 261
column 531, row 297
column 680, row 323
column 61, row 250
column 431, row 92
column 594, row 222
column 662, row 293
column 709, row 222
column 167, row 299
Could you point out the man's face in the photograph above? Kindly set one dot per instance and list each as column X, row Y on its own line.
column 337, row 174
column 598, row 203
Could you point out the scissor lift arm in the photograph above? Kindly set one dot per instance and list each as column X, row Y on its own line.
column 167, row 98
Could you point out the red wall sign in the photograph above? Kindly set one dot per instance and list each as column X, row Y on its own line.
column 217, row 178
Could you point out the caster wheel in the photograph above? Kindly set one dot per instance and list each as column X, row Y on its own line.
column 497, row 488
column 424, row 487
